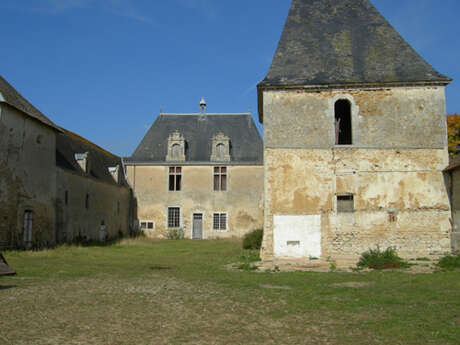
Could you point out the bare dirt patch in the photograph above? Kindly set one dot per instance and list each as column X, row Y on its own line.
column 275, row 287
column 353, row 284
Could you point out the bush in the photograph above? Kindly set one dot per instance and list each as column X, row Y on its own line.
column 450, row 262
column 253, row 239
column 175, row 234
column 379, row 260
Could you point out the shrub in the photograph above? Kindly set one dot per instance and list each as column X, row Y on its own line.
column 378, row 259
column 253, row 239
column 175, row 234
column 450, row 262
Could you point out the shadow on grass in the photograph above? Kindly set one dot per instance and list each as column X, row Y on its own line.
column 6, row 287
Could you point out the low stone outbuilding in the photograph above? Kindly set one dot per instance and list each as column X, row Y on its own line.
column 55, row 186
column 355, row 138
column 93, row 201
column 201, row 173
column 27, row 172
column 452, row 173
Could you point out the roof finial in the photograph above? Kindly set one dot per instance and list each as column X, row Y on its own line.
column 202, row 106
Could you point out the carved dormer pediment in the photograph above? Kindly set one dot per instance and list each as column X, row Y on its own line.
column 176, row 147
column 220, row 148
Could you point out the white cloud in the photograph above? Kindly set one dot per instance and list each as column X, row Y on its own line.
column 121, row 8
column 206, row 7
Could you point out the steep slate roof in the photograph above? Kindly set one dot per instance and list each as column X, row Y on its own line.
column 10, row 96
column 246, row 146
column 327, row 42
column 68, row 144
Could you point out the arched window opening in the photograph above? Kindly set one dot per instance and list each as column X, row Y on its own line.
column 176, row 152
column 343, row 129
column 220, row 151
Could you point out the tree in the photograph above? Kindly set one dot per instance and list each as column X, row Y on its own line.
column 453, row 133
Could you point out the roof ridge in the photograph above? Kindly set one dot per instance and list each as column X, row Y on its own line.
column 88, row 142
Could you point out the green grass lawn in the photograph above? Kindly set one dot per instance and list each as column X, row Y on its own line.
column 179, row 292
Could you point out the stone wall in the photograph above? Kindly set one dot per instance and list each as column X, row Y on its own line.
column 27, row 179
column 108, row 204
column 243, row 200
column 454, row 182
column 393, row 170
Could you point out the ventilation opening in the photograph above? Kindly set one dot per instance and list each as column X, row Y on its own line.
column 345, row 203
column 343, row 122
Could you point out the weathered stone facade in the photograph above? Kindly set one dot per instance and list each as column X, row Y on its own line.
column 354, row 144
column 27, row 179
column 396, row 179
column 212, row 187
column 242, row 201
column 44, row 185
column 452, row 174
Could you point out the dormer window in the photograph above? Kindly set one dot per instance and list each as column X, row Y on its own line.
column 115, row 172
column 83, row 161
column 176, row 148
column 220, row 148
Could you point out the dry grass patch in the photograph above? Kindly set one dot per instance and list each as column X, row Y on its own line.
column 123, row 294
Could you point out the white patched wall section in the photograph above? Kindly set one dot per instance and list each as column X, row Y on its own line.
column 297, row 236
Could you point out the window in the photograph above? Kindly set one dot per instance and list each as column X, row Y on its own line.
column 118, row 207
column 220, row 144
column 342, row 110
column 175, row 178
column 176, row 147
column 345, row 203
column 219, row 221
column 27, row 226
column 66, row 197
column 220, row 178
column 147, row 225
column 173, row 217
column 87, row 201
column 175, row 152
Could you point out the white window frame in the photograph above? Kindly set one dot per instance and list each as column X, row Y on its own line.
column 226, row 221
column 147, row 222
column 167, row 217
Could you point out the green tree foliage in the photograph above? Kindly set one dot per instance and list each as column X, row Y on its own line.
column 453, row 133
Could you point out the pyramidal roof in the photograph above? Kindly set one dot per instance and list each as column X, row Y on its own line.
column 327, row 42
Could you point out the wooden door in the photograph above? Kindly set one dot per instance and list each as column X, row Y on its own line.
column 197, row 229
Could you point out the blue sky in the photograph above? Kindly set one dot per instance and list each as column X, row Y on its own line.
column 104, row 68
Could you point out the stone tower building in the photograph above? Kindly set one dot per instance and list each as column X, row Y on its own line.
column 355, row 138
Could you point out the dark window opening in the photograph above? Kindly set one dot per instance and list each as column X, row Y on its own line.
column 175, row 178
column 345, row 203
column 66, row 197
column 343, row 135
column 87, row 201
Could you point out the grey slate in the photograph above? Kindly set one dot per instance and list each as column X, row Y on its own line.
column 327, row 42
column 13, row 98
column 68, row 144
column 246, row 145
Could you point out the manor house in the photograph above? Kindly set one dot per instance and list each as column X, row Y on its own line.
column 199, row 173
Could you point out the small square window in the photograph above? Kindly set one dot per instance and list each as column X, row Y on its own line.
column 345, row 203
